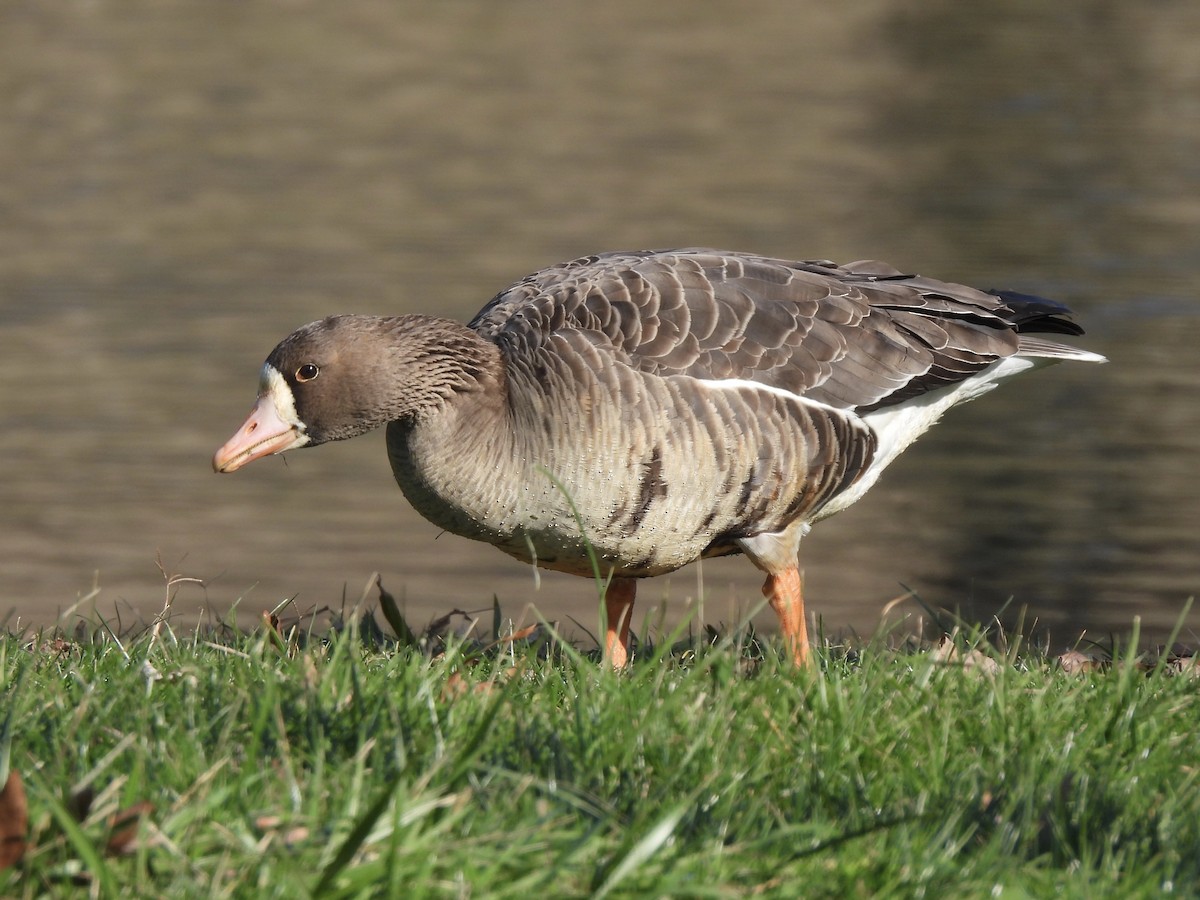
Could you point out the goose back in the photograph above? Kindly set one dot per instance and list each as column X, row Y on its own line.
column 860, row 337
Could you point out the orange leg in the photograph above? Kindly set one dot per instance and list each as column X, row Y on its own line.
column 618, row 600
column 784, row 591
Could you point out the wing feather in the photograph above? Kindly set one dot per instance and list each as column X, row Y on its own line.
column 862, row 336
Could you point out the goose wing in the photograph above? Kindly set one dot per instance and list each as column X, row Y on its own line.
column 856, row 337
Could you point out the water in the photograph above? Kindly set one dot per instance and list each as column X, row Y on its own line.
column 185, row 185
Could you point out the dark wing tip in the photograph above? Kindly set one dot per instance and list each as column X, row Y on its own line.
column 1030, row 313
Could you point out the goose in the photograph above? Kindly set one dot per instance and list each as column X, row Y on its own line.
column 637, row 411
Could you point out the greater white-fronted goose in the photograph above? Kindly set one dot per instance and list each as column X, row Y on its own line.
column 648, row 409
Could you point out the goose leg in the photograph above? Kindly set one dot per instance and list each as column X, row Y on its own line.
column 784, row 591
column 618, row 601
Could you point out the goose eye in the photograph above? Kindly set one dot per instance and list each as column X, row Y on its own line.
column 307, row 372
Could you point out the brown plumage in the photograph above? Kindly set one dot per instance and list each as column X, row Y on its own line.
column 659, row 407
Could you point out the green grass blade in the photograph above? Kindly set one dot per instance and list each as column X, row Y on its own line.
column 93, row 859
column 354, row 840
column 6, row 730
column 642, row 850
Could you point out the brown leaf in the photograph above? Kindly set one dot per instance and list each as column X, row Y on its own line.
column 271, row 825
column 295, row 835
column 1184, row 665
column 14, row 821
column 311, row 676
column 79, row 804
column 522, row 634
column 440, row 625
column 945, row 651
column 124, row 826
column 58, row 647
column 456, row 686
column 976, row 660
column 391, row 612
column 271, row 626
column 1073, row 662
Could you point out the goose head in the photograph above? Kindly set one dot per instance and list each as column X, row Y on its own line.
column 345, row 375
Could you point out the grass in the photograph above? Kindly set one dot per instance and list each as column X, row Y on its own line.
column 267, row 763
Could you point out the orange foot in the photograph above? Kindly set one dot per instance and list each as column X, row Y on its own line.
column 618, row 601
column 784, row 591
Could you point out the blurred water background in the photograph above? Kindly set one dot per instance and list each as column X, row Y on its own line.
column 185, row 183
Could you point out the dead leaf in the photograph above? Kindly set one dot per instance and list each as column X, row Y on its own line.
column 976, row 660
column 124, row 826
column 295, row 835
column 439, row 626
column 391, row 612
column 1184, row 665
column 456, row 686
column 945, row 651
column 58, row 647
column 79, row 803
column 523, row 634
column 270, row 826
column 14, row 821
column 311, row 676
column 271, row 625
column 1073, row 662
